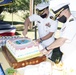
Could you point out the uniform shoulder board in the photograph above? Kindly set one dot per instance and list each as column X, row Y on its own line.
column 71, row 20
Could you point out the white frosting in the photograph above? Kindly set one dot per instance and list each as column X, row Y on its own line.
column 23, row 50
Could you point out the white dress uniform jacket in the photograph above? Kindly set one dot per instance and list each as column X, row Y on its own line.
column 69, row 47
column 45, row 25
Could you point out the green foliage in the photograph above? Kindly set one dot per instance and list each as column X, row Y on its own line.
column 25, row 15
column 1, row 17
column 37, row 1
column 18, row 5
column 21, row 5
column 10, row 71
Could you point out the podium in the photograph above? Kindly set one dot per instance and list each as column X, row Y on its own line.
column 13, row 63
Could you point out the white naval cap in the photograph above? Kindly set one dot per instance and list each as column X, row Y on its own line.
column 56, row 5
column 42, row 5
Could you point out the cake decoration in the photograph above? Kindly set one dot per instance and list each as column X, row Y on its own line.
column 23, row 48
column 22, row 41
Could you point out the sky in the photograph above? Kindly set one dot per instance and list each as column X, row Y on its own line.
column 72, row 4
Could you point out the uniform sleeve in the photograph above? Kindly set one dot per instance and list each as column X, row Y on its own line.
column 54, row 25
column 69, row 31
column 35, row 17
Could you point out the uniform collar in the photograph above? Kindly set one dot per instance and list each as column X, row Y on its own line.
column 49, row 15
column 71, row 17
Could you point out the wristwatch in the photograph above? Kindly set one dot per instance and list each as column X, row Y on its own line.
column 46, row 49
column 41, row 40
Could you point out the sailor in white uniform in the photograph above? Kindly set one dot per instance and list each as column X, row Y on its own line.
column 67, row 39
column 45, row 23
column 46, row 26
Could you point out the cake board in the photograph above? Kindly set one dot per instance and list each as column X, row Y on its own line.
column 13, row 62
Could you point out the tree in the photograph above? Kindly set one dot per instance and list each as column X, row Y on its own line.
column 18, row 5
column 21, row 5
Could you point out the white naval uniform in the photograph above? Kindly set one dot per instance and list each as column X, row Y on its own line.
column 45, row 25
column 68, row 31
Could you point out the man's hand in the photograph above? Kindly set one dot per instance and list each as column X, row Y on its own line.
column 38, row 40
column 24, row 32
column 35, row 42
column 45, row 52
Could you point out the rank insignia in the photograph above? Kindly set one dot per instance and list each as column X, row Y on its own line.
column 71, row 20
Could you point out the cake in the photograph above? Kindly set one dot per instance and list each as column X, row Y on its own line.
column 23, row 48
column 13, row 63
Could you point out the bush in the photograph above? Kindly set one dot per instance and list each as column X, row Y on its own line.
column 26, row 15
column 1, row 17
